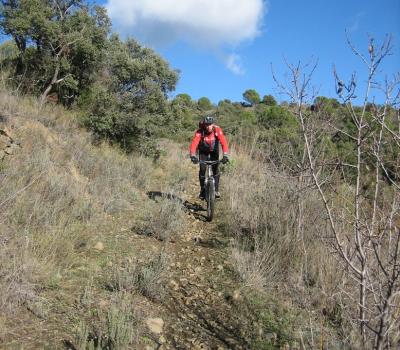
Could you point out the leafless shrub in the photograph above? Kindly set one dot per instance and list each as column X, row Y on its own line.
column 171, row 173
column 147, row 278
column 362, row 226
column 255, row 263
column 280, row 230
column 163, row 219
column 152, row 276
column 19, row 275
column 264, row 208
column 116, row 329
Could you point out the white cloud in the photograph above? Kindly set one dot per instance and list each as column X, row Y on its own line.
column 234, row 64
column 206, row 23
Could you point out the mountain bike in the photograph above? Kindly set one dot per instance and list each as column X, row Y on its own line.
column 209, row 186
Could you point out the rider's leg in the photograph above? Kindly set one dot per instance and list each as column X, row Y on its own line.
column 202, row 175
column 215, row 156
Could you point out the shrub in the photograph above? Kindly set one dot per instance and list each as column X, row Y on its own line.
column 147, row 278
column 115, row 330
column 163, row 218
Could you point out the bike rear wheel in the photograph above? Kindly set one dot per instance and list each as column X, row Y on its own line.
column 210, row 200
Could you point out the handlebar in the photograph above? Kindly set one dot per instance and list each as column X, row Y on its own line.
column 209, row 162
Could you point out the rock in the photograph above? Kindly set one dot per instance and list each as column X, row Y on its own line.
column 99, row 246
column 174, row 285
column 161, row 340
column 236, row 295
column 6, row 131
column 4, row 142
column 153, row 346
column 8, row 151
column 155, row 325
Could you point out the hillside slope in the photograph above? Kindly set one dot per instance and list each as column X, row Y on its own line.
column 102, row 248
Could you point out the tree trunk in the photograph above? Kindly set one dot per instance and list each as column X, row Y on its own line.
column 50, row 86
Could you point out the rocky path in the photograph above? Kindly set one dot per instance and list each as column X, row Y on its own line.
column 201, row 290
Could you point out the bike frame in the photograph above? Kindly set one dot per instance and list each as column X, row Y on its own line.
column 209, row 185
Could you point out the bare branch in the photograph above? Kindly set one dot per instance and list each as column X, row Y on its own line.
column 22, row 189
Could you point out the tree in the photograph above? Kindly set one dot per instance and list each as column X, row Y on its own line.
column 128, row 103
column 251, row 96
column 204, row 103
column 224, row 102
column 269, row 100
column 60, row 44
column 362, row 219
column 8, row 52
column 183, row 100
column 276, row 117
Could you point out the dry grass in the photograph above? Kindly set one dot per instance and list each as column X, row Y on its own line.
column 255, row 262
column 279, row 228
column 276, row 219
column 264, row 211
column 172, row 176
column 163, row 219
column 147, row 278
column 115, row 329
column 59, row 195
column 19, row 274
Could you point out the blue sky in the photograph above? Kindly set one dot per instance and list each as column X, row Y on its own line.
column 223, row 47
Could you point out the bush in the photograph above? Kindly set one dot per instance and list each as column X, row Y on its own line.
column 163, row 219
column 115, row 330
column 147, row 278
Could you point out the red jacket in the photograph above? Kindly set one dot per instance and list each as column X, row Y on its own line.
column 207, row 143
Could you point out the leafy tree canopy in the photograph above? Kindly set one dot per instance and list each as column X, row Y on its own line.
column 60, row 44
column 8, row 52
column 128, row 103
column 251, row 96
column 204, row 103
column 269, row 100
column 183, row 100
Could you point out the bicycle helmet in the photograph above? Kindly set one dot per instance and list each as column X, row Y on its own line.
column 206, row 121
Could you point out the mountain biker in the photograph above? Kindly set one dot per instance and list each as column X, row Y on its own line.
column 206, row 141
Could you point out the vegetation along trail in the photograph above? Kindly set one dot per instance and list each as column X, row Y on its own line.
column 136, row 266
column 104, row 244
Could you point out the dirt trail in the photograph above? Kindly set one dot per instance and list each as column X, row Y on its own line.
column 201, row 290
